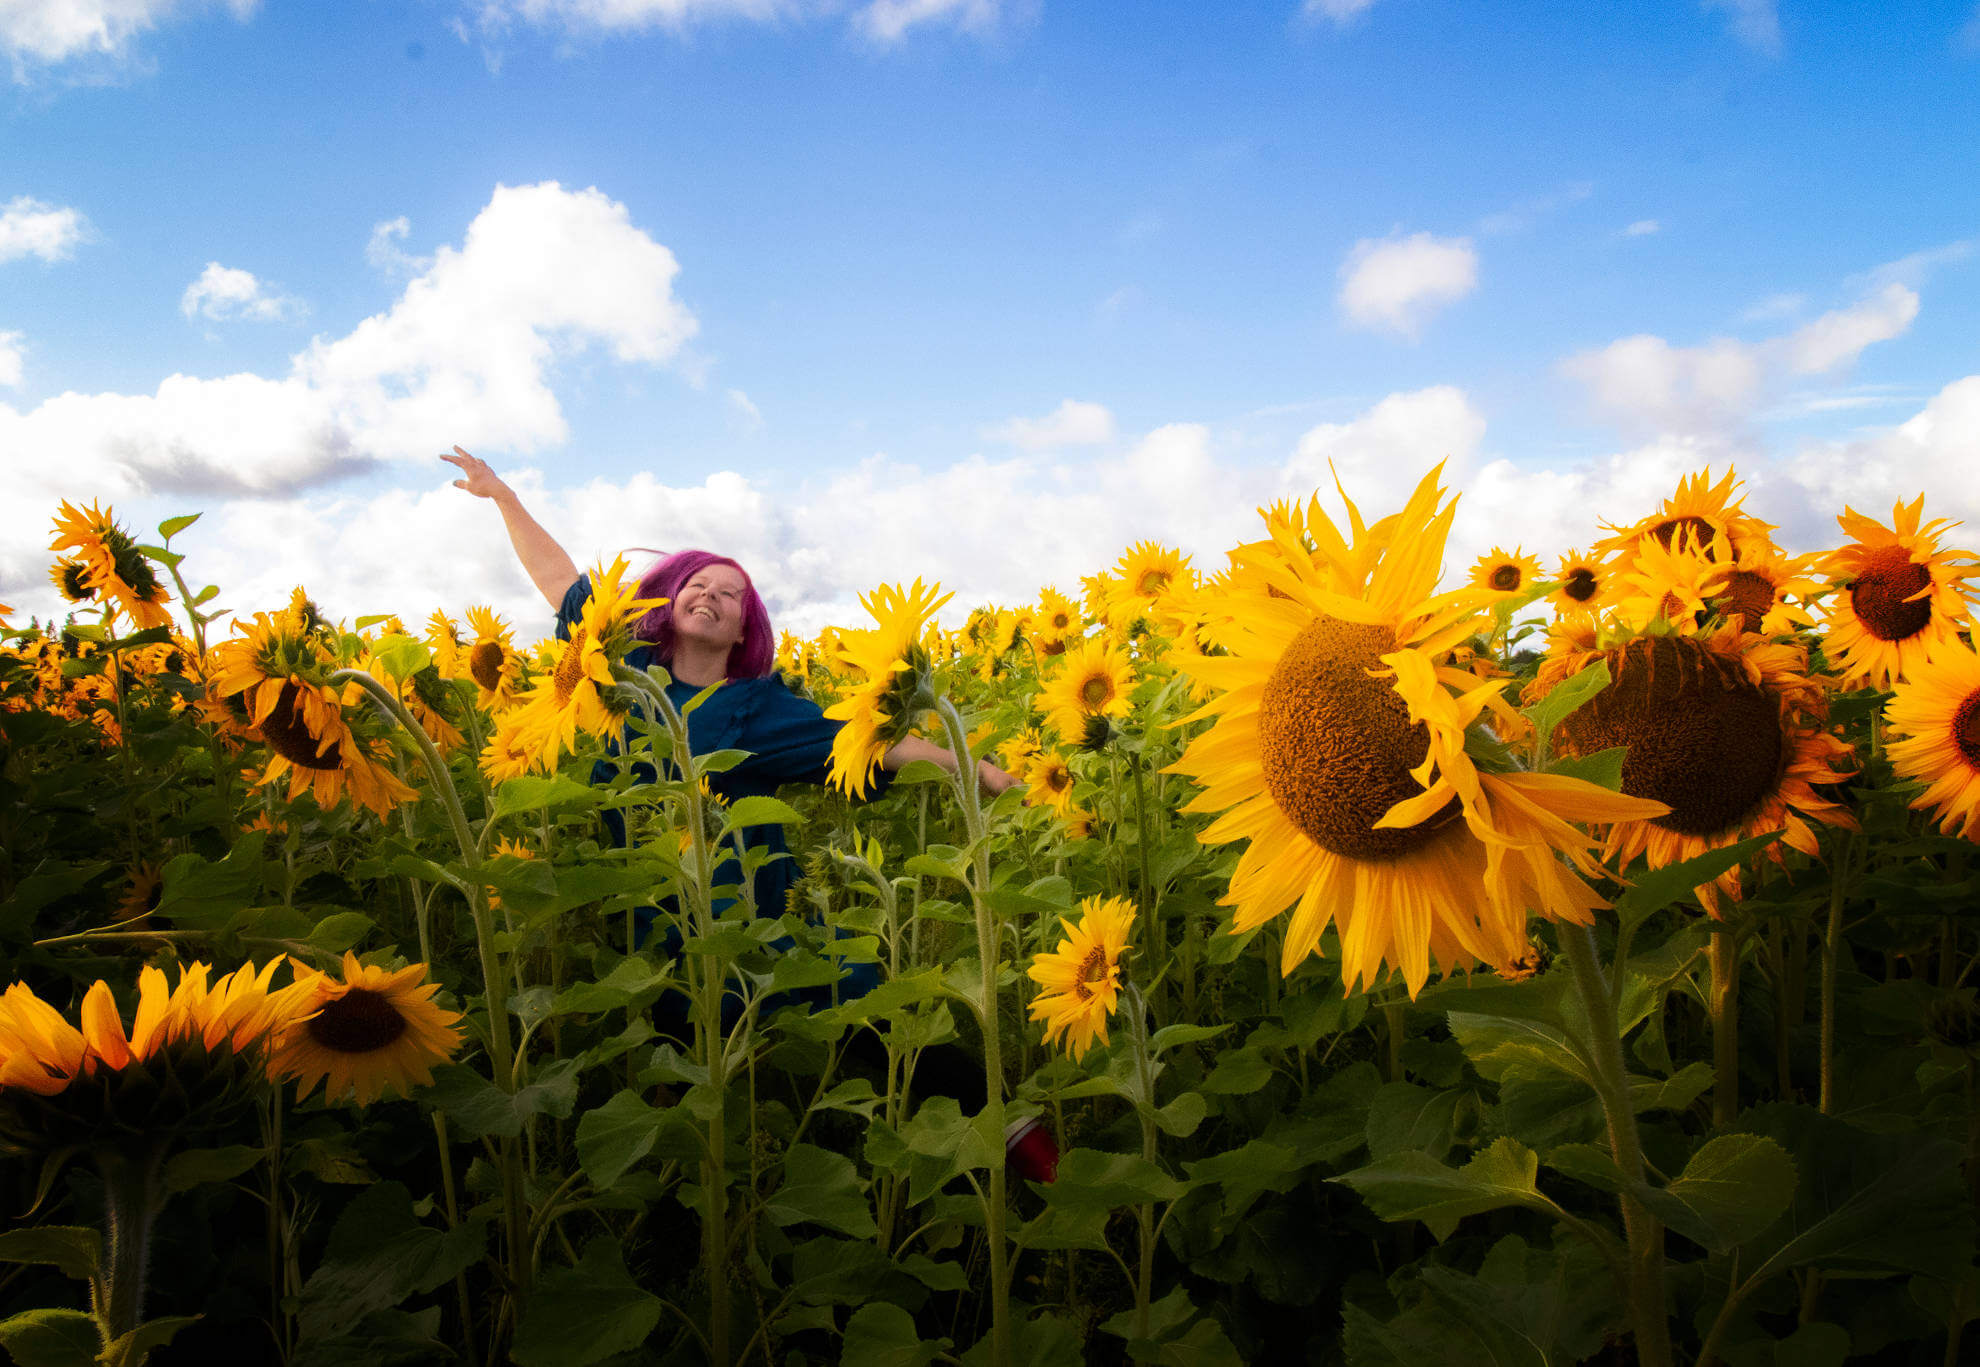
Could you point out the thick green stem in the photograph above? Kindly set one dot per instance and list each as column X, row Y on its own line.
column 1832, row 951
column 991, row 1019
column 1144, row 1104
column 494, row 980
column 132, row 1195
column 1645, row 1233
column 1725, row 1025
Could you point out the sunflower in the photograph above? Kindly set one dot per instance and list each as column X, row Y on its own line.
column 890, row 663
column 1584, row 584
column 1016, row 752
column 1704, row 512
column 367, row 1032
column 114, row 566
column 1766, row 590
column 1049, row 781
column 1937, row 712
column 577, row 692
column 134, row 908
column 1082, row 977
column 1673, row 583
column 1902, row 597
column 1093, row 680
column 443, row 639
column 1338, row 752
column 1505, row 572
column 1055, row 622
column 277, row 670
column 71, row 579
column 1725, row 729
column 492, row 661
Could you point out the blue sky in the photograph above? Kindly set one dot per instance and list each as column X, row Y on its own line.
column 968, row 289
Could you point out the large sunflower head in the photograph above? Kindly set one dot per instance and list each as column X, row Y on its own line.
column 1338, row 750
column 114, row 567
column 1081, row 978
column 1725, row 729
column 366, row 1032
column 1901, row 596
column 1702, row 512
column 1935, row 715
column 889, row 666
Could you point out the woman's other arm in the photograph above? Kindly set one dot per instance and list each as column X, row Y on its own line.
column 910, row 748
column 547, row 564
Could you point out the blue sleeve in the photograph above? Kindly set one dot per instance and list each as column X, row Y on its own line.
column 572, row 608
column 789, row 739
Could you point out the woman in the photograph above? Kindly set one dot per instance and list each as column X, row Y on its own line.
column 714, row 629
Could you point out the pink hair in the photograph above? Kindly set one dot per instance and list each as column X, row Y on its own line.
column 749, row 658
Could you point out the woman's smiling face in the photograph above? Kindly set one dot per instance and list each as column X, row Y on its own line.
column 709, row 607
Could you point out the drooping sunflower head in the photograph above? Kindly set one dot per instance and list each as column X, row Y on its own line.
column 1702, row 512
column 1725, row 729
column 1584, row 584
column 71, row 579
column 1504, row 572
column 1081, row 978
column 889, row 667
column 114, row 567
column 1901, row 595
column 1049, row 781
column 1935, row 713
column 492, row 661
column 364, row 1033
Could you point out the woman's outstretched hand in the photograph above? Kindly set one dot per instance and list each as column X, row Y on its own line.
column 481, row 481
column 992, row 779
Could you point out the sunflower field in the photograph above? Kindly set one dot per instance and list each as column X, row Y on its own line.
column 1559, row 961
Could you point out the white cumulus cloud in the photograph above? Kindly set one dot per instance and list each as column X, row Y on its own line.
column 1072, row 423
column 29, row 227
column 224, row 293
column 1394, row 284
column 43, row 32
column 467, row 354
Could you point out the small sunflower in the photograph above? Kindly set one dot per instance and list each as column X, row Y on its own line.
column 1725, row 730
column 369, row 1031
column 1902, row 597
column 114, row 566
column 1338, row 752
column 1082, row 977
column 889, row 663
column 1093, row 680
column 1055, row 622
column 1767, row 590
column 140, row 898
column 1504, row 572
column 443, row 639
column 1936, row 711
column 71, row 580
column 1584, row 584
column 1673, row 583
column 1701, row 511
column 1049, row 781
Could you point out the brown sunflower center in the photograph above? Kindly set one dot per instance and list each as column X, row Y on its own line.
column 1580, row 584
column 1702, row 738
column 1058, row 778
column 1882, row 595
column 359, row 1022
column 1966, row 728
column 1092, row 973
column 1096, row 692
column 1695, row 530
column 1505, row 578
column 288, row 734
column 1337, row 745
column 485, row 664
column 1749, row 595
column 570, row 666
column 72, row 578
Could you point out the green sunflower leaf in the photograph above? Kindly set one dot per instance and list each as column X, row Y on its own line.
column 579, row 1315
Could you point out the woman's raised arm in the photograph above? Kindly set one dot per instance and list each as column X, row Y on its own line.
column 549, row 567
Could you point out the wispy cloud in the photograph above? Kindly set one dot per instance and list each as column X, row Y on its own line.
column 1523, row 215
column 1756, row 23
column 1643, row 227
column 43, row 33
column 1072, row 423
